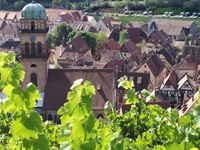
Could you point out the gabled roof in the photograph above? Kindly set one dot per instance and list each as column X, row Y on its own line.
column 191, row 50
column 160, row 38
column 107, row 21
column 110, row 45
column 128, row 47
column 66, row 17
column 141, row 80
column 76, row 15
column 170, row 80
column 136, row 34
column 59, row 82
column 11, row 16
column 78, row 45
column 107, row 55
column 3, row 15
column 155, row 63
column 168, row 57
column 10, row 30
column 85, row 59
column 9, row 45
column 185, row 78
column 115, row 63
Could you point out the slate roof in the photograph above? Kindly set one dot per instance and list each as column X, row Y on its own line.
column 10, row 45
column 59, row 82
column 115, row 63
column 128, row 47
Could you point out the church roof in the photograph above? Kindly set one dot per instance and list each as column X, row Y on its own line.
column 33, row 11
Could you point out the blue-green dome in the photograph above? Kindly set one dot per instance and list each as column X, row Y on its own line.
column 33, row 11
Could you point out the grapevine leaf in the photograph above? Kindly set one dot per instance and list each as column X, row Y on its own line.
column 174, row 146
column 27, row 126
column 196, row 113
column 12, row 75
column 89, row 88
column 36, row 143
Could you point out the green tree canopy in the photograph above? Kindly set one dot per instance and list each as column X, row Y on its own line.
column 62, row 30
column 123, row 37
column 101, row 38
column 19, row 5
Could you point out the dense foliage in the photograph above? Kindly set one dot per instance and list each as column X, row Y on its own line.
column 143, row 127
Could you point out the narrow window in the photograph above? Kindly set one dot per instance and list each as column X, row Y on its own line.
column 32, row 25
column 33, row 48
column 39, row 46
column 34, row 78
column 26, row 48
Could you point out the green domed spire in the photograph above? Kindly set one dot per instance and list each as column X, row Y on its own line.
column 33, row 11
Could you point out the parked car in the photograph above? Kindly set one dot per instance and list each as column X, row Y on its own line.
column 182, row 14
column 187, row 14
column 145, row 13
column 194, row 13
column 198, row 14
column 171, row 14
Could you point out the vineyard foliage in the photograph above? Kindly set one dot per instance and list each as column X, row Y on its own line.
column 143, row 127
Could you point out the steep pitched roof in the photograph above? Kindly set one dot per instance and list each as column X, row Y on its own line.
column 10, row 30
column 76, row 15
column 155, row 63
column 185, row 78
column 111, row 54
column 115, row 63
column 107, row 21
column 66, row 17
column 60, row 80
column 3, row 15
column 128, row 47
column 9, row 45
column 191, row 50
column 110, row 45
column 78, row 45
column 160, row 38
column 171, row 79
column 136, row 34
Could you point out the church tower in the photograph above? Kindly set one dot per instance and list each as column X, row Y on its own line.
column 34, row 47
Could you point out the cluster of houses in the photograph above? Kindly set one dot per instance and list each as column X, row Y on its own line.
column 167, row 62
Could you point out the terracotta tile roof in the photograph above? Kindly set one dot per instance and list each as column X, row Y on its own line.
column 114, row 34
column 85, row 59
column 10, row 30
column 168, row 57
column 76, row 15
column 110, row 45
column 115, row 63
column 136, row 34
column 78, row 45
column 160, row 38
column 3, row 15
column 66, row 17
column 107, row 21
column 54, row 13
column 141, row 80
column 11, row 16
column 135, row 57
column 171, row 79
column 155, row 64
column 187, row 107
column 9, row 45
column 3, row 24
column 129, row 47
column 191, row 50
column 109, row 55
column 60, row 80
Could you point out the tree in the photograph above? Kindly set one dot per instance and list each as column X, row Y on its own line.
column 3, row 4
column 123, row 37
column 62, row 30
column 19, row 5
column 68, row 5
column 101, row 38
column 55, row 3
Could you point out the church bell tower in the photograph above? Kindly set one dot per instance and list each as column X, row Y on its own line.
column 34, row 47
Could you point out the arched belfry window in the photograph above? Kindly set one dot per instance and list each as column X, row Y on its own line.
column 34, row 78
column 33, row 66
column 33, row 48
column 26, row 48
column 32, row 25
column 39, row 46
